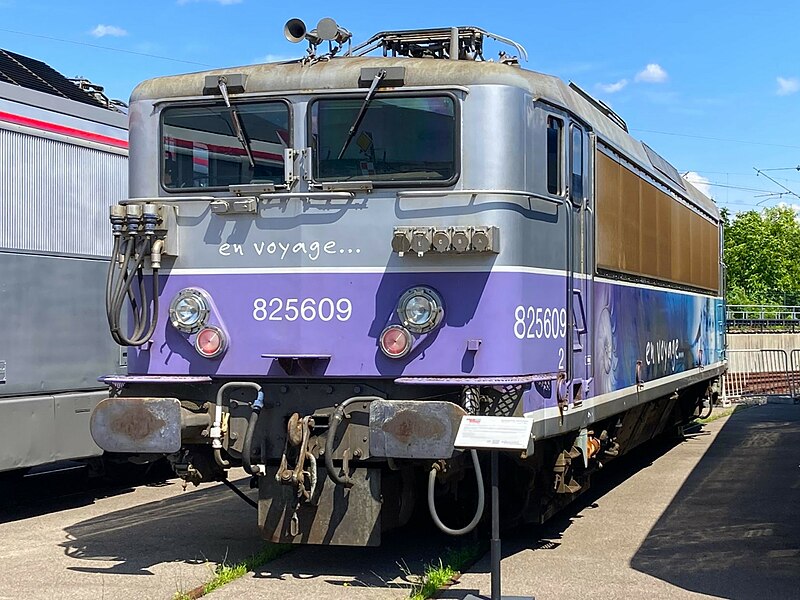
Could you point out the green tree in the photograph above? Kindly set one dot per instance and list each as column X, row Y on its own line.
column 762, row 254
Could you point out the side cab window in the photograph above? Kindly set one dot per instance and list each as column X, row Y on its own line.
column 577, row 161
column 555, row 153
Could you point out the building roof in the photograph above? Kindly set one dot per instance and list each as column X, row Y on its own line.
column 36, row 75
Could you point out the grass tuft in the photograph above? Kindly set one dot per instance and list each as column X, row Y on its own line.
column 721, row 414
column 443, row 571
column 224, row 573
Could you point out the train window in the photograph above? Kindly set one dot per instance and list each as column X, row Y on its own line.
column 555, row 134
column 201, row 149
column 400, row 139
column 576, row 168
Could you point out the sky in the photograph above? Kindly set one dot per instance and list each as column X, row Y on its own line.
column 713, row 86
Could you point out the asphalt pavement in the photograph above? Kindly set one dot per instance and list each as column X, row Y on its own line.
column 715, row 516
column 73, row 540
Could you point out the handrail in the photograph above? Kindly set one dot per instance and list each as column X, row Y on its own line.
column 761, row 312
column 469, row 192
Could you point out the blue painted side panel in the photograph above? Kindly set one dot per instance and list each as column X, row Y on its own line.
column 669, row 332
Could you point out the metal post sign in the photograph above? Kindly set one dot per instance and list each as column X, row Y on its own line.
column 494, row 433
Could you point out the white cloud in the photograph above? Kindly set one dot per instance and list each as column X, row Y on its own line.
column 698, row 181
column 652, row 73
column 613, row 88
column 222, row 2
column 270, row 58
column 788, row 85
column 104, row 30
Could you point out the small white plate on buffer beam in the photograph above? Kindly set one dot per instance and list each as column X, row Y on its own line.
column 494, row 433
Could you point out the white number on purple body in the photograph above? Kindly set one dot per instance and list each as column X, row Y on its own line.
column 307, row 309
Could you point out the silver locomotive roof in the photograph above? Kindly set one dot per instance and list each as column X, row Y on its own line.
column 345, row 73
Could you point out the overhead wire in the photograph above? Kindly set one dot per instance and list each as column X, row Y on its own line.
column 716, row 139
column 737, row 187
column 100, row 47
column 788, row 191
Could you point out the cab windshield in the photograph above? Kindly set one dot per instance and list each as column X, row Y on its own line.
column 200, row 147
column 400, row 139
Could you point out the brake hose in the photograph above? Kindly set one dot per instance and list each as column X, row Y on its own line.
column 478, row 511
column 336, row 418
column 247, row 447
column 710, row 409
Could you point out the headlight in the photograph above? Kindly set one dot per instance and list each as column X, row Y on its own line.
column 188, row 311
column 420, row 309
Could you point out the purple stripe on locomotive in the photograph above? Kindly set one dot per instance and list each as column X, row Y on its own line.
column 519, row 319
column 349, row 312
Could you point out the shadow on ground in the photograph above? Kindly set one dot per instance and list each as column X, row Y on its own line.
column 65, row 486
column 408, row 550
column 731, row 531
column 733, row 528
column 211, row 524
column 208, row 524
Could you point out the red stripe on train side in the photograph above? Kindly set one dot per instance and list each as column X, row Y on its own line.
column 63, row 130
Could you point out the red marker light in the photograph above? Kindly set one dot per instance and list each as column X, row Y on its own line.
column 396, row 341
column 210, row 342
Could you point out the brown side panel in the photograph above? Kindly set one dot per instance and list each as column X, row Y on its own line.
column 649, row 228
column 682, row 250
column 664, row 262
column 629, row 212
column 642, row 230
column 696, row 246
column 608, row 209
column 712, row 256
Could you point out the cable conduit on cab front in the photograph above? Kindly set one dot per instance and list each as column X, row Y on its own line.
column 120, row 282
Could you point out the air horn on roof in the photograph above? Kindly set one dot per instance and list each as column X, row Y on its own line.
column 327, row 30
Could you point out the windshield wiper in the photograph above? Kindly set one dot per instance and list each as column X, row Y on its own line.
column 360, row 117
column 238, row 127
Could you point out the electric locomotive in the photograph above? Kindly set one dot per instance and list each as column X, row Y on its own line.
column 329, row 262
column 63, row 158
